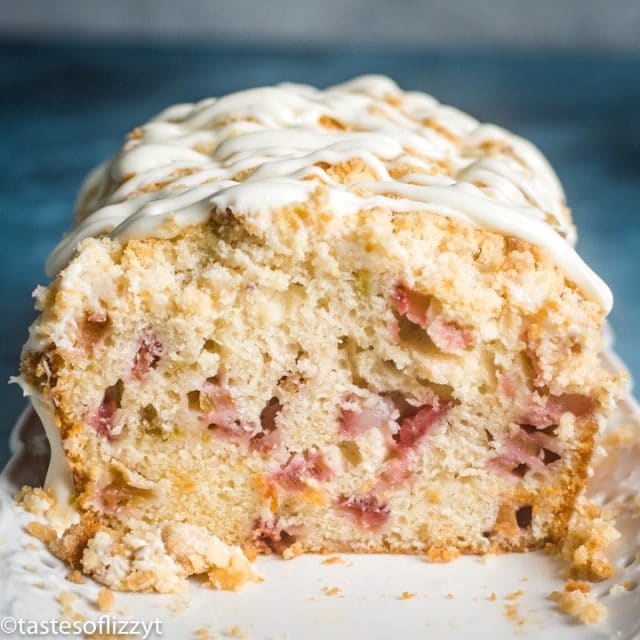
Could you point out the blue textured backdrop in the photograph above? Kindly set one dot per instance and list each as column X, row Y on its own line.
column 63, row 108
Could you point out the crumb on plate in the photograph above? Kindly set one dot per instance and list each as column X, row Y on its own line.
column 106, row 600
column 578, row 603
column 34, row 500
column 292, row 551
column 591, row 532
column 442, row 554
column 67, row 600
column 42, row 532
column 512, row 614
column 75, row 577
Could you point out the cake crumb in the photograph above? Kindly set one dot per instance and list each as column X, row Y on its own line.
column 577, row 585
column 106, row 600
column 407, row 595
column 34, row 500
column 67, row 600
column 442, row 554
column 449, row 596
column 199, row 552
column 179, row 606
column 292, row 551
column 42, row 532
column 492, row 598
column 250, row 551
column 515, row 595
column 580, row 604
column 512, row 614
column 591, row 533
column 237, row 632
column 333, row 560
column 75, row 577
column 332, row 591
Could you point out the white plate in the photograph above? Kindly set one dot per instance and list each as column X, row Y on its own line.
column 451, row 600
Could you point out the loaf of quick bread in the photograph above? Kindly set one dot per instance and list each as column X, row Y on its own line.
column 298, row 320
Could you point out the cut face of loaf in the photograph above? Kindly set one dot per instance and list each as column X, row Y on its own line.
column 387, row 383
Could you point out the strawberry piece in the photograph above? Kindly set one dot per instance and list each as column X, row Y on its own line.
column 366, row 510
column 269, row 536
column 92, row 329
column 545, row 412
column 395, row 470
column 103, row 418
column 527, row 449
column 424, row 421
column 301, row 467
column 147, row 356
column 372, row 413
column 412, row 305
column 446, row 335
column 269, row 437
column 548, row 414
column 219, row 409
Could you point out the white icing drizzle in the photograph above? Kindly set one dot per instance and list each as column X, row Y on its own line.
column 58, row 481
column 256, row 150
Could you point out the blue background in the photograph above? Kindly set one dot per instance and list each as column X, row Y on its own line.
column 64, row 108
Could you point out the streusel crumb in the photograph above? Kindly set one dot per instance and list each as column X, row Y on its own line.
column 67, row 600
column 580, row 604
column 591, row 533
column 75, row 577
column 106, row 601
column 42, row 532
column 292, row 551
column 34, row 500
column 442, row 554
